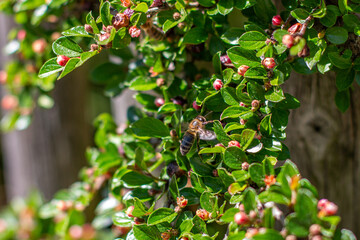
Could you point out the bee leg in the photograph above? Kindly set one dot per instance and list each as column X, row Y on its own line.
column 211, row 121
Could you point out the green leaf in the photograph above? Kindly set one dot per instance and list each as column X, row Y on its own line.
column 257, row 174
column 229, row 215
column 221, row 134
column 217, row 63
column 207, row 3
column 296, row 226
column 195, row 36
column 70, row 65
column 275, row 95
column 268, row 234
column 217, row 149
column 344, row 78
column 336, row 35
column 91, row 21
column 150, row 127
column 145, row 232
column 343, row 6
column 310, row 3
column 232, row 35
column 250, row 200
column 256, row 91
column 240, row 175
column 133, row 179
column 122, row 220
column 225, row 6
column 201, row 168
column 142, row 83
column 208, row 201
column 105, row 15
column 306, row 205
column 78, row 31
column 243, row 4
column 234, row 157
column 247, row 136
column 300, row 14
column 252, row 40
column 229, row 95
column 256, row 73
column 265, row 10
column 239, row 56
column 342, row 100
column 351, row 22
column 66, row 46
column 141, row 7
column 265, row 125
column 235, row 111
column 173, row 187
column 139, row 208
column 161, row 215
column 50, row 67
column 339, row 61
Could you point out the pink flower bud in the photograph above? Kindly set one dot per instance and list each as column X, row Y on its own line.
column 241, row 218
column 276, row 20
column 218, row 84
column 234, row 143
column 159, row 102
column 288, row 40
column 269, row 63
column 134, row 32
column 242, row 69
column 62, row 60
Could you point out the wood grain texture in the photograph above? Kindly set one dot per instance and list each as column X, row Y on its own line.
column 324, row 142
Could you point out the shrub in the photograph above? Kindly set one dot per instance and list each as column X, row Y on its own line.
column 227, row 174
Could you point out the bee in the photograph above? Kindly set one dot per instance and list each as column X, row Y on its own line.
column 152, row 31
column 196, row 130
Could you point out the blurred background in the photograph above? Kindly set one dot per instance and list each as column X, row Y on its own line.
column 49, row 153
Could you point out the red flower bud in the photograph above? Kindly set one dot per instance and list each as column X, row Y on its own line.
column 196, row 107
column 218, row 84
column 288, row 40
column 276, row 20
column 9, row 102
column 38, row 46
column 159, row 102
column 157, row 3
column 21, row 34
column 176, row 16
column 330, row 209
column 242, row 69
column 245, row 166
column 121, row 20
column 134, row 32
column 322, row 203
column 203, row 214
column 241, row 218
column 88, row 28
column 269, row 63
column 234, row 143
column 295, row 28
column 315, row 229
column 181, row 201
column 62, row 60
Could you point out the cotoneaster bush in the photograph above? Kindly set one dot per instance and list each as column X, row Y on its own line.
column 184, row 60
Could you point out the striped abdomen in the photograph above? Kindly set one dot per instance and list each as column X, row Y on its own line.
column 187, row 142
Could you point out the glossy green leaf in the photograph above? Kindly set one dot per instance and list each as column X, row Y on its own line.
column 336, row 35
column 149, row 127
column 50, row 67
column 66, row 46
column 161, row 215
column 234, row 157
column 252, row 40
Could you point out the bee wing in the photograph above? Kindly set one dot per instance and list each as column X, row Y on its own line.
column 206, row 135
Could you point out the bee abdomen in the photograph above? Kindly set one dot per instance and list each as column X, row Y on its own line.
column 186, row 143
